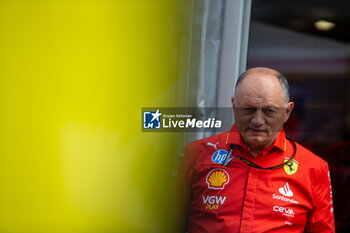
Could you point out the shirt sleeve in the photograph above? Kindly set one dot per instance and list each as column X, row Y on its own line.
column 321, row 219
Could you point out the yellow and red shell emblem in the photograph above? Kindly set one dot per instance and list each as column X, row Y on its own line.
column 217, row 178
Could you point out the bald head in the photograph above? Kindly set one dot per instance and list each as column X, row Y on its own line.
column 264, row 71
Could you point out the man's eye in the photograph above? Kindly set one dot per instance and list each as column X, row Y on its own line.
column 247, row 110
column 270, row 111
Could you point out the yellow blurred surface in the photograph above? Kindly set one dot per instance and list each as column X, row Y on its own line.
column 73, row 78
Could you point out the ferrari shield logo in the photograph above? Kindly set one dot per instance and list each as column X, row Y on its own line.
column 291, row 167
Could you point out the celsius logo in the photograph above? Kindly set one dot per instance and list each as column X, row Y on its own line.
column 285, row 190
column 213, row 202
column 217, row 178
column 284, row 211
column 219, row 156
column 151, row 120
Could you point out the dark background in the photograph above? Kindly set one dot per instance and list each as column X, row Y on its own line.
column 283, row 36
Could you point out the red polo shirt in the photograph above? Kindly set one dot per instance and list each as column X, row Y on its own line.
column 241, row 198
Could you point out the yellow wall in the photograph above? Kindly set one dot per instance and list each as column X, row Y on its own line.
column 74, row 75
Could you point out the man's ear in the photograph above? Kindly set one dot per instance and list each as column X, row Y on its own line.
column 289, row 109
column 233, row 102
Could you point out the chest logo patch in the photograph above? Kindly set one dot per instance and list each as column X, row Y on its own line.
column 219, row 156
column 217, row 178
column 212, row 144
column 291, row 167
column 285, row 190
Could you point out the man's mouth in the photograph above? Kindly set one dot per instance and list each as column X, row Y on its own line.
column 252, row 130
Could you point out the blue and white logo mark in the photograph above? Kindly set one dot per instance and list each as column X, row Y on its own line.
column 151, row 120
column 219, row 156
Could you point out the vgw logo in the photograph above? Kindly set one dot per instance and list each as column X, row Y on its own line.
column 213, row 202
column 151, row 120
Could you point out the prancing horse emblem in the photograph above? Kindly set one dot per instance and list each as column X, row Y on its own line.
column 291, row 167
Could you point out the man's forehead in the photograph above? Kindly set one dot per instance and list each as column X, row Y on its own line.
column 262, row 89
column 260, row 83
column 259, row 101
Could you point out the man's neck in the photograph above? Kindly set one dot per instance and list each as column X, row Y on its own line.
column 255, row 152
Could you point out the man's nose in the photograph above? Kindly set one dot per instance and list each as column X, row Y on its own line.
column 258, row 118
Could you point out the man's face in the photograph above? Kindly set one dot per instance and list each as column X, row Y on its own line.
column 260, row 109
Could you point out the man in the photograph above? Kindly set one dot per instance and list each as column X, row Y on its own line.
column 253, row 178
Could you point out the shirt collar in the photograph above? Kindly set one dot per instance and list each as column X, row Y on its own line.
column 234, row 137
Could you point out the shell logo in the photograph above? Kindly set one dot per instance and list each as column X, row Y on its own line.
column 217, row 178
